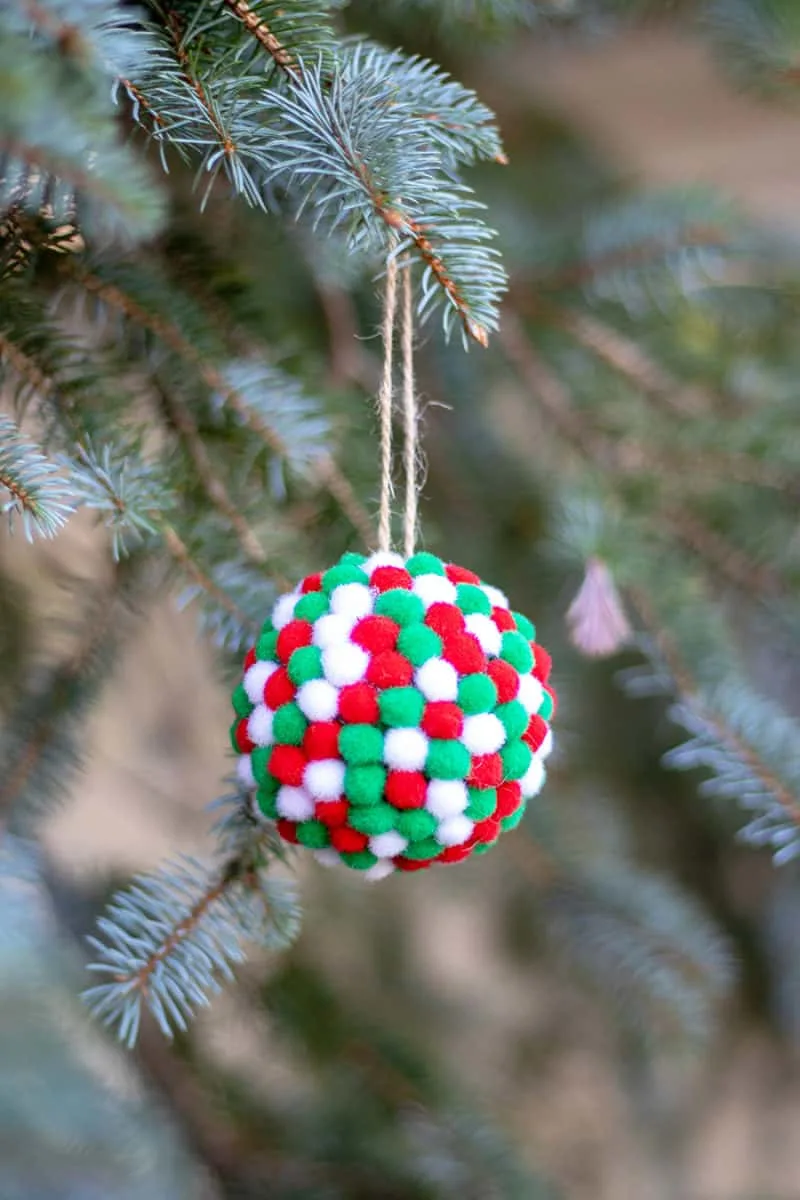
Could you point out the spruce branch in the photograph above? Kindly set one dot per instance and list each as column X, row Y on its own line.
column 356, row 154
column 182, row 555
column 38, row 492
column 258, row 28
column 168, row 940
column 127, row 492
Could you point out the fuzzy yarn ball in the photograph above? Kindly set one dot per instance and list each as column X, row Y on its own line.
column 394, row 714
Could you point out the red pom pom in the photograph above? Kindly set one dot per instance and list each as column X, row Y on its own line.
column 503, row 619
column 358, row 704
column 509, row 796
column 287, row 764
column 406, row 789
column 321, row 740
column 250, row 658
column 486, row 771
column 278, row 689
column 543, row 663
column 292, row 637
column 454, row 854
column 348, row 840
column 536, row 732
column 385, row 578
column 332, row 812
column 504, row 678
column 243, row 739
column 287, row 830
column 465, row 653
column 312, row 583
column 376, row 634
column 413, row 864
column 442, row 719
column 390, row 669
column 460, row 574
column 486, row 831
column 444, row 619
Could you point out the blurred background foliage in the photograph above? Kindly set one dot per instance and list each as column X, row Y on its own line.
column 606, row 1005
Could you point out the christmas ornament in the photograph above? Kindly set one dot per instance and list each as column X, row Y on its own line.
column 394, row 713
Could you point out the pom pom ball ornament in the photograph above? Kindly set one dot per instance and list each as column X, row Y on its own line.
column 394, row 713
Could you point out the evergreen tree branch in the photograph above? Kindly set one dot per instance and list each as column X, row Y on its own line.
column 39, row 494
column 258, row 28
column 215, row 489
column 168, row 940
column 180, row 552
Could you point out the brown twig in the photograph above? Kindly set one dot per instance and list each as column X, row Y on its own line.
column 175, row 30
column 213, row 486
column 180, row 552
column 264, row 35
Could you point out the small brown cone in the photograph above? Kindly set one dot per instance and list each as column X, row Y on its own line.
column 598, row 624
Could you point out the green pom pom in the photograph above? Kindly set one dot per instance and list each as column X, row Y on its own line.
column 364, row 785
column 476, row 694
column 313, row 834
column 416, row 824
column 472, row 599
column 311, row 607
column 425, row 564
column 305, row 663
column 343, row 573
column 482, row 847
column 265, row 799
column 362, row 860
column 259, row 761
column 526, row 627
column 482, row 803
column 352, row 559
column 267, row 645
column 515, row 650
column 241, row 702
column 419, row 851
column 401, row 706
column 514, row 818
column 289, row 725
column 514, row 718
column 418, row 643
column 517, row 757
column 447, row 759
column 401, row 605
column 377, row 818
column 546, row 707
column 359, row 744
column 232, row 736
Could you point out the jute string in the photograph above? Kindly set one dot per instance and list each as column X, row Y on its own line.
column 409, row 406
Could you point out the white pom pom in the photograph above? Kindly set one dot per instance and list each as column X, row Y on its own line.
column 294, row 804
column 244, row 772
column 283, row 611
column 259, row 725
column 546, row 747
column 379, row 870
column 483, row 733
column 446, row 798
column 486, row 632
column 344, row 664
column 496, row 598
column 387, row 845
column 530, row 694
column 533, row 779
column 254, row 679
column 324, row 778
column 405, row 749
column 454, row 831
column 333, row 629
column 382, row 558
column 433, row 589
column 352, row 600
column 318, row 700
column 437, row 680
column 328, row 857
